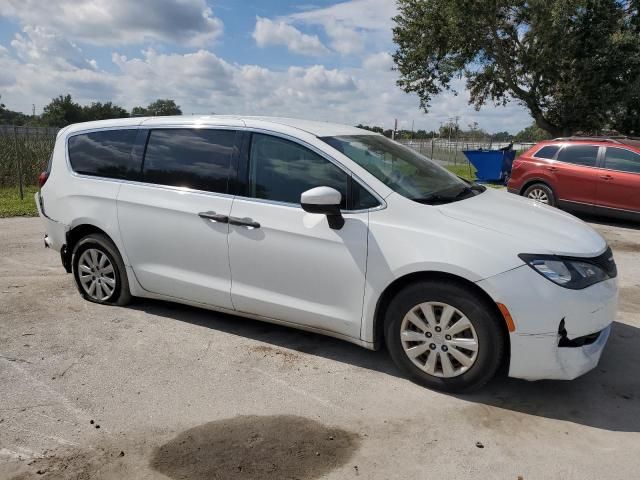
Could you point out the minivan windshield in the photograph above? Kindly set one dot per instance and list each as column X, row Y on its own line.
column 402, row 169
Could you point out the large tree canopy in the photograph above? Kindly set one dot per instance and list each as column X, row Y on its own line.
column 574, row 64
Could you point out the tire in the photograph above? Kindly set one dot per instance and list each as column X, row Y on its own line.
column 111, row 284
column 486, row 331
column 542, row 193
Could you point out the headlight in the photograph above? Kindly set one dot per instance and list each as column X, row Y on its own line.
column 566, row 272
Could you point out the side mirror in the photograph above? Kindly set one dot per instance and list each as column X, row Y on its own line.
column 326, row 201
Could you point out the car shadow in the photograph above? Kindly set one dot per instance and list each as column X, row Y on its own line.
column 607, row 221
column 608, row 397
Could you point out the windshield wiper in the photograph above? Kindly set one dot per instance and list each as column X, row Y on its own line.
column 438, row 198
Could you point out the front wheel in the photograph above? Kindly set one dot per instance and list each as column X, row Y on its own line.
column 444, row 335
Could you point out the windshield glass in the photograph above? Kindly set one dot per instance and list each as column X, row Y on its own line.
column 400, row 168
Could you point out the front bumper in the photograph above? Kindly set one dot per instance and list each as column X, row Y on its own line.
column 539, row 357
column 539, row 349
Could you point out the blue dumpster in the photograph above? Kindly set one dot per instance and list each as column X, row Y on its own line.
column 491, row 165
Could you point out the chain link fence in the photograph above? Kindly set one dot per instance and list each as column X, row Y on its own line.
column 24, row 152
column 449, row 152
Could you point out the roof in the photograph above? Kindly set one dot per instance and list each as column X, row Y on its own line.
column 319, row 129
column 631, row 141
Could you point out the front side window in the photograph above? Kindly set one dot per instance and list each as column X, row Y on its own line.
column 586, row 155
column 105, row 153
column 548, row 151
column 192, row 158
column 401, row 169
column 622, row 160
column 281, row 170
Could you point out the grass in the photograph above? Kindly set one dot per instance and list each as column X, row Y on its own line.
column 12, row 206
column 468, row 172
column 463, row 170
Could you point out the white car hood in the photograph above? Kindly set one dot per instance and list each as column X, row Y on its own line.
column 537, row 227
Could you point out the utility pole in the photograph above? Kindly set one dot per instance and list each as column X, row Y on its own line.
column 455, row 153
column 412, row 129
column 395, row 127
column 33, row 111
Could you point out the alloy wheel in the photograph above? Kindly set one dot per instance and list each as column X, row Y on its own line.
column 96, row 274
column 539, row 195
column 439, row 339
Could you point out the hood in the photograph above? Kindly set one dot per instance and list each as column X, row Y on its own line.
column 537, row 227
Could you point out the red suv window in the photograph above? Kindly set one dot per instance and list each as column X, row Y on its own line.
column 622, row 160
column 548, row 151
column 586, row 155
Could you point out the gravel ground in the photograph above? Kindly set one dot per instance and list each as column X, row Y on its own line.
column 158, row 390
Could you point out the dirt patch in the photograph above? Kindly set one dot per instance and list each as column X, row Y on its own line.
column 629, row 299
column 76, row 464
column 267, row 351
column 256, row 447
column 624, row 246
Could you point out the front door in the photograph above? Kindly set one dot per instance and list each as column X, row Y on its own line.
column 173, row 225
column 619, row 181
column 287, row 264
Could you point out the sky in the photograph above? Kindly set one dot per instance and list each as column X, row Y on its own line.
column 324, row 60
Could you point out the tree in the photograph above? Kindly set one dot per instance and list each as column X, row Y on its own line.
column 10, row 117
column 157, row 108
column 569, row 62
column 532, row 133
column 62, row 111
column 103, row 111
column 501, row 137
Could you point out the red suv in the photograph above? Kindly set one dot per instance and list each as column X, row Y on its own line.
column 591, row 175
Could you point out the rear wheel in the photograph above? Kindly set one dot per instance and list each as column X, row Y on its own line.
column 99, row 271
column 444, row 335
column 541, row 193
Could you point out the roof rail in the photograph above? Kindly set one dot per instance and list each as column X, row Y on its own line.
column 591, row 139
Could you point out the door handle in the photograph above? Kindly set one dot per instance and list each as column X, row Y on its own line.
column 606, row 177
column 216, row 217
column 244, row 222
column 552, row 169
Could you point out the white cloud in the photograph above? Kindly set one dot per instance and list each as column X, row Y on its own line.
column 346, row 41
column 268, row 32
column 361, row 14
column 378, row 61
column 119, row 22
column 351, row 25
column 40, row 45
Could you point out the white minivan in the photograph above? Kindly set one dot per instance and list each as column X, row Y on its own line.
column 332, row 229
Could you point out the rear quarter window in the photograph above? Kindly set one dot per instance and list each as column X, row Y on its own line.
column 104, row 154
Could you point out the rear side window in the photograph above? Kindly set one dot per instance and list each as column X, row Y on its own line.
column 622, row 160
column 105, row 154
column 281, row 170
column 586, row 155
column 193, row 158
column 548, row 151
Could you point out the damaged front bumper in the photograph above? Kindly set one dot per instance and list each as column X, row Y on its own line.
column 538, row 357
column 559, row 333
